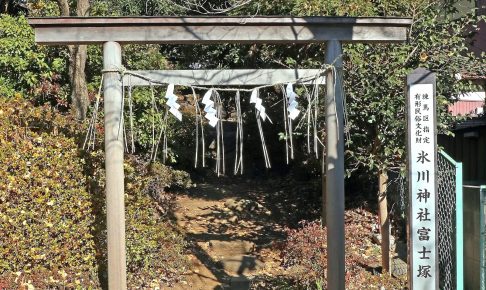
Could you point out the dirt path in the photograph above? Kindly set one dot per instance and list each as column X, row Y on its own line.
column 233, row 227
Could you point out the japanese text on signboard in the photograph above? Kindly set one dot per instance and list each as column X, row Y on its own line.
column 422, row 168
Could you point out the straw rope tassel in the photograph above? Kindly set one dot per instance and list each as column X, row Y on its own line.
column 316, row 114
column 130, row 107
column 220, row 157
column 239, row 136
column 152, row 150
column 262, row 136
column 125, row 140
column 284, row 97
column 91, row 134
column 196, row 107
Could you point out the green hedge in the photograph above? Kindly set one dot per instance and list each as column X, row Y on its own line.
column 155, row 250
column 52, row 207
column 46, row 216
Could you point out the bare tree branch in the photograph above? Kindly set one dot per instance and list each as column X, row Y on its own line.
column 207, row 8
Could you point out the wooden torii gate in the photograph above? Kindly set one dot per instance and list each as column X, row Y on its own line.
column 111, row 32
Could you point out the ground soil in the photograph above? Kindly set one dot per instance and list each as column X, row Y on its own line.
column 235, row 229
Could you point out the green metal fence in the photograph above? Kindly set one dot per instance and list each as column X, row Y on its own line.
column 450, row 223
column 474, row 237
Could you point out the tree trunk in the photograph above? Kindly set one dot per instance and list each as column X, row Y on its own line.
column 4, row 6
column 77, row 63
column 77, row 75
column 63, row 7
column 384, row 221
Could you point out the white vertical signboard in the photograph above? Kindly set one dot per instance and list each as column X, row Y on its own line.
column 422, row 164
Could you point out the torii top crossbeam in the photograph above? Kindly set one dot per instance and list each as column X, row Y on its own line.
column 192, row 30
column 113, row 31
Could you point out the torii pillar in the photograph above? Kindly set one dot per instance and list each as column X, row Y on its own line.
column 335, row 166
column 115, row 177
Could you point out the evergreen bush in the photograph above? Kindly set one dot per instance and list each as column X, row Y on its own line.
column 46, row 212
column 53, row 213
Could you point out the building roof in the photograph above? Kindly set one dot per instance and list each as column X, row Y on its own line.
column 471, row 123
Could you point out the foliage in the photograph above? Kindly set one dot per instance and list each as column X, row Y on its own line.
column 374, row 84
column 324, row 8
column 270, row 282
column 52, row 201
column 44, row 8
column 138, row 8
column 26, row 67
column 306, row 248
column 33, row 137
column 305, row 254
column 154, row 248
column 373, row 73
column 45, row 209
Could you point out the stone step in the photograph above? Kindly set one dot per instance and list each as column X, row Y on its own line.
column 227, row 248
column 241, row 264
column 239, row 283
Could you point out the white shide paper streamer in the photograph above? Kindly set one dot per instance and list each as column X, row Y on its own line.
column 292, row 102
column 172, row 102
column 209, row 108
column 255, row 99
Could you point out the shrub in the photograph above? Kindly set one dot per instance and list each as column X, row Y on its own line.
column 154, row 248
column 53, row 214
column 26, row 67
column 279, row 282
column 46, row 216
column 305, row 252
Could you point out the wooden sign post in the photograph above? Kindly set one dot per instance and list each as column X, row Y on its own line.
column 422, row 174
